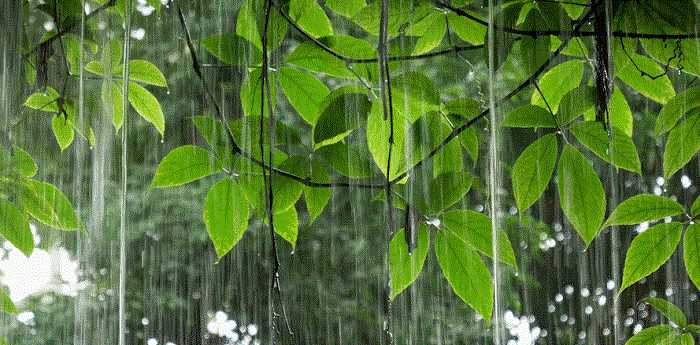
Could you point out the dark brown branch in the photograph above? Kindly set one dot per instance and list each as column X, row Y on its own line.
column 457, row 130
column 388, row 109
column 567, row 33
column 64, row 30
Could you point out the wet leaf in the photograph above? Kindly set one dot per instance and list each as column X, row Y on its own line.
column 581, row 194
column 643, row 208
column 62, row 131
column 47, row 204
column 557, row 82
column 304, row 92
column 405, row 267
column 6, row 305
column 659, row 90
column 670, row 310
column 441, row 192
column 618, row 148
column 649, row 251
column 533, row 170
column 22, row 162
column 143, row 71
column 14, row 227
column 675, row 109
column 660, row 334
column 287, row 225
column 691, row 253
column 343, row 111
column 183, row 165
column 147, row 106
column 529, row 116
column 681, row 146
column 466, row 272
column 429, row 32
column 475, row 230
column 225, row 215
column 309, row 15
column 232, row 50
column 347, row 8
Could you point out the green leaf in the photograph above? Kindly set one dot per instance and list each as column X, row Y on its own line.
column 467, row 29
column 113, row 100
column 183, row 165
column 309, row 15
column 691, row 253
column 14, row 227
column 429, row 31
column 6, row 305
column 660, row 334
column 22, row 162
column 347, row 8
column 287, row 225
column 251, row 91
column 368, row 17
column 43, row 101
column 309, row 56
column 695, row 209
column 286, row 191
column 694, row 328
column 250, row 24
column 643, row 208
column 378, row 132
column 619, row 148
column 466, row 108
column 404, row 268
column 348, row 159
column 441, row 192
column 675, row 109
column 62, row 131
column 581, row 194
column 649, row 251
column 557, row 82
column 304, row 92
column 470, row 142
column 143, row 71
column 466, row 273
column 225, row 215
column 533, row 170
column 317, row 198
column 620, row 113
column 574, row 104
column 659, row 90
column 475, row 230
column 147, row 106
column 681, row 146
column 670, row 310
column 232, row 50
column 343, row 111
column 529, row 116
column 216, row 137
column 414, row 94
column 47, row 204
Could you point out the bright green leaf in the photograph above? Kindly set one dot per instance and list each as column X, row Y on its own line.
column 649, row 250
column 429, row 32
column 309, row 15
column 6, row 305
column 287, row 225
column 691, row 253
column 661, row 334
column 533, row 170
column 347, row 8
column 22, row 162
column 251, row 91
column 619, row 148
column 643, row 208
column 441, row 192
column 225, row 215
column 475, row 230
column 113, row 100
column 404, row 267
column 43, row 101
column 581, row 194
column 466, row 272
column 143, row 71
column 659, row 90
column 147, row 106
column 343, row 111
column 232, row 50
column 14, row 227
column 304, row 92
column 557, row 82
column 183, row 165
column 670, row 310
column 529, row 116
column 682, row 144
column 674, row 110
column 47, row 204
column 62, row 131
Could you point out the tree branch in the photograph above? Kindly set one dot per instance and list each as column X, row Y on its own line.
column 197, row 66
column 457, row 130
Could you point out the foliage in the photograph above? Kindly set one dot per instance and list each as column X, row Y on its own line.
column 342, row 133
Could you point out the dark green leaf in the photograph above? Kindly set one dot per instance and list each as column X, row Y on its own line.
column 183, row 165
column 441, row 192
column 347, row 159
column 343, row 111
column 225, row 215
column 581, row 194
column 643, row 208
column 405, row 267
column 533, row 170
column 649, row 250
